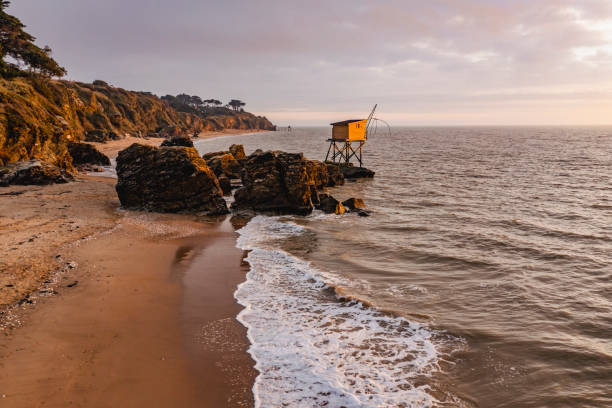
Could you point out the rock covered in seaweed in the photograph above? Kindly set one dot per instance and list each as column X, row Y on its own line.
column 84, row 153
column 167, row 179
column 33, row 172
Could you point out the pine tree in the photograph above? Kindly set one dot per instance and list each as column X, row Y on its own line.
column 19, row 45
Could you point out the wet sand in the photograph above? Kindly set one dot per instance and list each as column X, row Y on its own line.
column 137, row 309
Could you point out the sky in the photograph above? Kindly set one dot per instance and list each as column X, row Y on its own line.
column 434, row 62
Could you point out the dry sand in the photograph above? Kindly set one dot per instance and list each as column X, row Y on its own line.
column 103, row 307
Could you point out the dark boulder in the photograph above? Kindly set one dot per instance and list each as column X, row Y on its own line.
column 101, row 135
column 275, row 181
column 330, row 205
column 335, row 176
column 354, row 204
column 225, row 164
column 238, row 151
column 178, row 141
column 84, row 153
column 167, row 179
column 225, row 184
column 33, row 172
column 351, row 172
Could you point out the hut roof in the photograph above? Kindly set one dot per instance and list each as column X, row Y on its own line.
column 346, row 122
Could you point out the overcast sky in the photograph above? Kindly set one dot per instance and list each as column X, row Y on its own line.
column 434, row 62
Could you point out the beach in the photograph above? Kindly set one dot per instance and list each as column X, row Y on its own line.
column 106, row 307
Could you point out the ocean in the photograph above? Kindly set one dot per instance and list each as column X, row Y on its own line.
column 483, row 277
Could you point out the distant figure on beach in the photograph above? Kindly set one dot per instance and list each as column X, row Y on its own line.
column 289, row 128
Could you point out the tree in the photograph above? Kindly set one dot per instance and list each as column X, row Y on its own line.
column 236, row 104
column 19, row 45
column 196, row 102
column 213, row 102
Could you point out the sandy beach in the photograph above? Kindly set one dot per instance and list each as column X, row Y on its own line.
column 103, row 307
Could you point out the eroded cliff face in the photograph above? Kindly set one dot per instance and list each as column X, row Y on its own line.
column 38, row 117
column 239, row 120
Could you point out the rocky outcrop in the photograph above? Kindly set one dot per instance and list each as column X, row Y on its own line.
column 317, row 172
column 167, row 179
column 351, row 172
column 178, row 141
column 354, row 204
column 238, row 151
column 84, row 153
column 33, row 172
column 225, row 184
column 210, row 155
column 225, row 164
column 237, row 120
column 275, row 181
column 336, row 178
column 101, row 136
column 330, row 205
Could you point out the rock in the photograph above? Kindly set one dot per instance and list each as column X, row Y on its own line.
column 33, row 172
column 178, row 141
column 314, row 196
column 225, row 184
column 354, row 204
column 225, row 164
column 318, row 174
column 207, row 156
column 167, row 179
column 335, row 176
column 84, row 153
column 238, row 151
column 275, row 181
column 351, row 172
column 330, row 205
column 101, row 135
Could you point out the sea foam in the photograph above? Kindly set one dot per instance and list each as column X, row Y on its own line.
column 310, row 348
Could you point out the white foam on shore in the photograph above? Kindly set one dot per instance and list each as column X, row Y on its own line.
column 312, row 349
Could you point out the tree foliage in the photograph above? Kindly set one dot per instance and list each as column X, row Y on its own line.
column 203, row 108
column 19, row 45
column 236, row 104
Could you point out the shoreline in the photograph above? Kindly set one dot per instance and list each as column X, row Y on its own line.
column 112, row 148
column 102, row 306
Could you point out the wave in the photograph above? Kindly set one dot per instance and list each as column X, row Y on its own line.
column 311, row 348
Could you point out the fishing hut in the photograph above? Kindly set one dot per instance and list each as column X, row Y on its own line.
column 348, row 138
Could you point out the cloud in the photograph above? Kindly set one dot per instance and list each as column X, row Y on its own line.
column 436, row 58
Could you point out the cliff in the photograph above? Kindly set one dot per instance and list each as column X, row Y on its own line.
column 38, row 117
